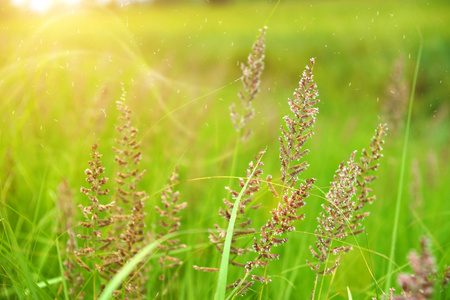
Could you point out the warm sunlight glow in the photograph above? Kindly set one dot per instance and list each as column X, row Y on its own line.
column 44, row 5
column 40, row 5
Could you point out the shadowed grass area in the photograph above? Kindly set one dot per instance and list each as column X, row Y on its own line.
column 60, row 75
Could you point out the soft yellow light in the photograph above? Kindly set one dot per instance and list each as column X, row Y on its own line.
column 72, row 2
column 43, row 5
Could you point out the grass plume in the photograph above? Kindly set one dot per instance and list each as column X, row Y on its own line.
column 298, row 127
column 297, row 131
column 251, row 81
column 333, row 221
column 419, row 285
column 169, row 223
column 94, row 255
column 342, row 216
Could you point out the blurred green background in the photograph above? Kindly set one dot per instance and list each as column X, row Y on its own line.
column 60, row 75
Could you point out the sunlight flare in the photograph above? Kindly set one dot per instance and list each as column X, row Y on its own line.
column 44, row 5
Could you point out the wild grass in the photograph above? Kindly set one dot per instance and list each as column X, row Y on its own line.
column 60, row 80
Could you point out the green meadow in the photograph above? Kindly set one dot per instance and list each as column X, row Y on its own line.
column 60, row 77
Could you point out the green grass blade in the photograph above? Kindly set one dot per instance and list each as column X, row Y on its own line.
column 31, row 289
column 402, row 172
column 349, row 294
column 18, row 257
column 129, row 267
column 61, row 269
column 223, row 271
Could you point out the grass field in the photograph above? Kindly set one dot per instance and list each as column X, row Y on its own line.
column 60, row 78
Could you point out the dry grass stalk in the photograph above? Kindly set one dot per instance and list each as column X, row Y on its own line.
column 66, row 218
column 395, row 104
column 341, row 215
column 298, row 130
column 130, row 201
column 251, row 80
column 96, row 255
column 169, row 223
column 419, row 286
column 72, row 271
column 369, row 162
column 281, row 222
column 298, row 127
column 107, row 254
column 333, row 221
column 243, row 225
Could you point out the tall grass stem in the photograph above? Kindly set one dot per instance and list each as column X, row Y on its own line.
column 223, row 271
column 402, row 171
column 61, row 270
column 271, row 13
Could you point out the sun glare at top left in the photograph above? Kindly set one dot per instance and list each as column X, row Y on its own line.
column 43, row 5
